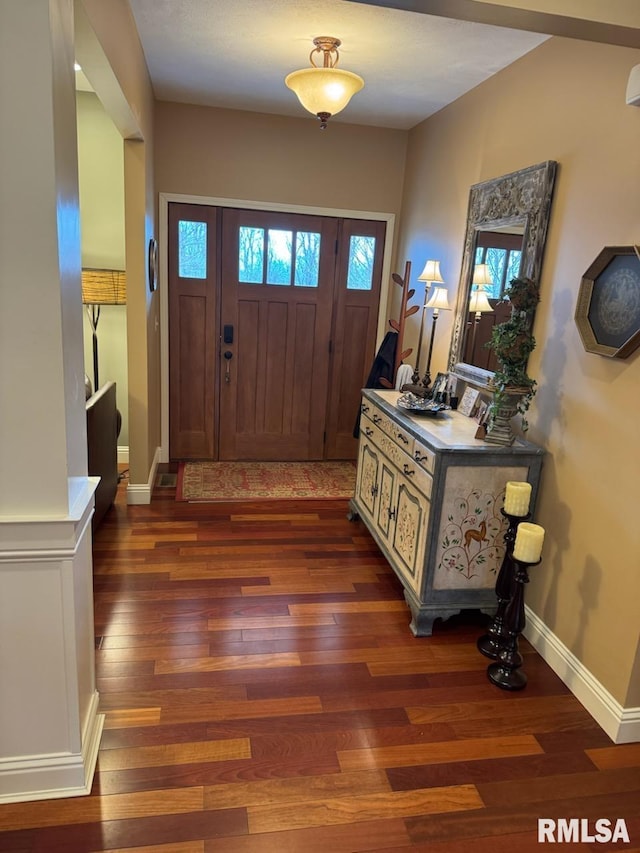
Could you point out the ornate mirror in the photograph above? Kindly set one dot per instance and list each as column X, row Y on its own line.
column 507, row 222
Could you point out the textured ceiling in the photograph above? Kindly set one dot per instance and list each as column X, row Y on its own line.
column 236, row 54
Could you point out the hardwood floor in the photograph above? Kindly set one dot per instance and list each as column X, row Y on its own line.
column 263, row 692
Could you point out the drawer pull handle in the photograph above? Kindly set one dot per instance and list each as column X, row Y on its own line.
column 364, row 408
column 419, row 458
column 392, row 513
column 368, row 431
column 402, row 438
column 376, row 419
column 408, row 471
column 374, row 491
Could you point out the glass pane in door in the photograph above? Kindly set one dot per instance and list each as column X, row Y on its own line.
column 192, row 249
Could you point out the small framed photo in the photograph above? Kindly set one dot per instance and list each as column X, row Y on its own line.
column 468, row 402
column 439, row 386
column 481, row 411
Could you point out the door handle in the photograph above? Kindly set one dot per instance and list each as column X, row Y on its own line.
column 228, row 355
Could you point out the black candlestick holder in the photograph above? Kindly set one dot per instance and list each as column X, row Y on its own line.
column 493, row 641
column 506, row 672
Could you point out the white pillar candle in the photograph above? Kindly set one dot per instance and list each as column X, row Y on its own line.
column 516, row 498
column 528, row 545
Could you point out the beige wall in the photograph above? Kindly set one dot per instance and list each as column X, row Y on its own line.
column 101, row 180
column 243, row 155
column 565, row 102
column 109, row 50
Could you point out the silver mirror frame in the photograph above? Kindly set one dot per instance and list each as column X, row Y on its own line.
column 519, row 198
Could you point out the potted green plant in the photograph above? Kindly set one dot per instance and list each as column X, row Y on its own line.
column 512, row 342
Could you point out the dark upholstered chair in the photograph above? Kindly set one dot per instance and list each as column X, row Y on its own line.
column 103, row 427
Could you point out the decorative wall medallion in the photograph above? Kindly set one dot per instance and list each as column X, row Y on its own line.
column 608, row 307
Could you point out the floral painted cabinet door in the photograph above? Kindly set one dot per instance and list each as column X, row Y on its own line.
column 410, row 536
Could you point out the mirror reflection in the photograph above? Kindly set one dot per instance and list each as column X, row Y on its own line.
column 497, row 260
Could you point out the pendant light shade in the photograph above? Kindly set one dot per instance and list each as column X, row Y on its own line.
column 324, row 91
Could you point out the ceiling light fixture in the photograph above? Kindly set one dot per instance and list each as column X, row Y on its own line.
column 325, row 90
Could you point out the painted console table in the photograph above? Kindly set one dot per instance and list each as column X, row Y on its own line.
column 430, row 494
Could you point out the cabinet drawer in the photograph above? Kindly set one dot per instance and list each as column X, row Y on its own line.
column 424, row 456
column 406, row 464
column 397, row 434
column 421, row 480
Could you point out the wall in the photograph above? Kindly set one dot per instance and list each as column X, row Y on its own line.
column 109, row 50
column 565, row 102
column 243, row 155
column 101, row 179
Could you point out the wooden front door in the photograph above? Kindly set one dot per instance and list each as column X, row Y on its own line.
column 272, row 332
column 277, row 286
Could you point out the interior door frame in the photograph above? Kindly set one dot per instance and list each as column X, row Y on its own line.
column 165, row 199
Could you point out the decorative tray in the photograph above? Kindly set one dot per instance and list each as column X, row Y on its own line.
column 420, row 406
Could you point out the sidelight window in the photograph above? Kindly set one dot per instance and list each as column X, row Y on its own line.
column 192, row 249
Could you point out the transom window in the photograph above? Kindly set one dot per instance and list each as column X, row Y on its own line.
column 278, row 257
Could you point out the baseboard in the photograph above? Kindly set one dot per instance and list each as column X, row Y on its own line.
column 140, row 493
column 621, row 724
column 51, row 777
column 123, row 455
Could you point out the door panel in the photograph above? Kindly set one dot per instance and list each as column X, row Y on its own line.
column 301, row 295
column 192, row 303
column 355, row 320
column 280, row 302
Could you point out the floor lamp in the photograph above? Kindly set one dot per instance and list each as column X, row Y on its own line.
column 439, row 302
column 430, row 275
column 478, row 305
column 101, row 287
column 478, row 301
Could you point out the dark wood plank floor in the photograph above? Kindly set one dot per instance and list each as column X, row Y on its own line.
column 263, row 692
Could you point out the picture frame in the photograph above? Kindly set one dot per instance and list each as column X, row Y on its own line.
column 439, row 386
column 468, row 402
column 481, row 411
column 608, row 308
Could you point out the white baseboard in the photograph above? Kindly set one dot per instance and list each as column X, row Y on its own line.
column 621, row 724
column 51, row 777
column 140, row 493
column 123, row 455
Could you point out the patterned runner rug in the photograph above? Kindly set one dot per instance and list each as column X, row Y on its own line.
column 238, row 481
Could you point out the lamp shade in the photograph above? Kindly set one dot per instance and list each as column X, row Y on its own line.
column 324, row 90
column 479, row 302
column 431, row 273
column 104, row 287
column 482, row 276
column 438, row 299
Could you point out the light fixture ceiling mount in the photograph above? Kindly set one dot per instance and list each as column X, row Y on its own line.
column 324, row 90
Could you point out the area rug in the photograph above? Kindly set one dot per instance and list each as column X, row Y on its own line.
column 239, row 481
